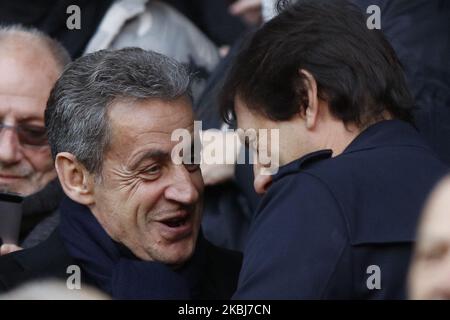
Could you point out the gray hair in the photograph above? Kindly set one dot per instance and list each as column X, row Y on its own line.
column 56, row 49
column 76, row 115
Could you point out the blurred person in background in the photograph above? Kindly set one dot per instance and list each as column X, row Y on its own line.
column 429, row 276
column 418, row 32
column 213, row 18
column 52, row 290
column 51, row 17
column 254, row 12
column 157, row 26
column 30, row 64
column 114, row 24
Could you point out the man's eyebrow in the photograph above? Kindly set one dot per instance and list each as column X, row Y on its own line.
column 155, row 154
column 30, row 118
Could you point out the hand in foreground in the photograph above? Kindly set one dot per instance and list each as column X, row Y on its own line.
column 8, row 248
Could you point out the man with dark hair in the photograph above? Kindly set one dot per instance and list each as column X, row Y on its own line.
column 338, row 218
column 131, row 216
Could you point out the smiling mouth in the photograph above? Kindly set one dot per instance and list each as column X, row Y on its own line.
column 176, row 222
column 177, row 227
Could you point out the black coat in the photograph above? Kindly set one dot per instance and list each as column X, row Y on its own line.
column 50, row 259
column 40, row 215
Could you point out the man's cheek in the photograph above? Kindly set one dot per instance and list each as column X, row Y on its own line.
column 41, row 161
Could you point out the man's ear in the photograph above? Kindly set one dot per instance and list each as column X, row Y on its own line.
column 76, row 181
column 312, row 109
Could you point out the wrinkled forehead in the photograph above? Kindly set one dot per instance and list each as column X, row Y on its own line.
column 27, row 69
column 24, row 86
column 136, row 125
column 151, row 114
column 17, row 109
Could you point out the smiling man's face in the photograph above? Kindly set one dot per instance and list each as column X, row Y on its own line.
column 143, row 199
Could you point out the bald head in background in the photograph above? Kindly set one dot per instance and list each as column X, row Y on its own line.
column 30, row 64
column 430, row 270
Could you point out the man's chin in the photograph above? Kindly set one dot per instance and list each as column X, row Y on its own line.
column 178, row 254
column 18, row 188
column 11, row 187
column 22, row 186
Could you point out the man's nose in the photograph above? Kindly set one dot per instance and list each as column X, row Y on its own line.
column 182, row 188
column 10, row 151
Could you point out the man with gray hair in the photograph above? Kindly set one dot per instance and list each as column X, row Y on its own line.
column 131, row 220
column 30, row 64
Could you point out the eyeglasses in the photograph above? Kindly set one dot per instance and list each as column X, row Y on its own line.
column 28, row 135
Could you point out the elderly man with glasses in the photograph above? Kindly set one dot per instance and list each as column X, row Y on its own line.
column 30, row 63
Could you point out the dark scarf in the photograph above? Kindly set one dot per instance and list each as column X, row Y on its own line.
column 114, row 269
column 39, row 214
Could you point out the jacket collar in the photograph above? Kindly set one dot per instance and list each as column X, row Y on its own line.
column 387, row 133
column 381, row 134
column 299, row 164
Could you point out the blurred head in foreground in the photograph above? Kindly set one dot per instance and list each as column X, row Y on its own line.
column 30, row 64
column 52, row 290
column 429, row 276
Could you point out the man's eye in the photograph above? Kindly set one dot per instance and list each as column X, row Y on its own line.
column 434, row 253
column 34, row 130
column 155, row 169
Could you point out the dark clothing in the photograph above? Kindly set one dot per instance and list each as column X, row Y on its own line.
column 49, row 259
column 418, row 31
column 326, row 222
column 40, row 215
column 212, row 18
column 80, row 240
column 51, row 17
column 226, row 216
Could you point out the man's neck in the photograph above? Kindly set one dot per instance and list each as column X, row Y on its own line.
column 339, row 136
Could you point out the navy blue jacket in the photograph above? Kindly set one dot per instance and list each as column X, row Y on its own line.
column 326, row 223
column 418, row 31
